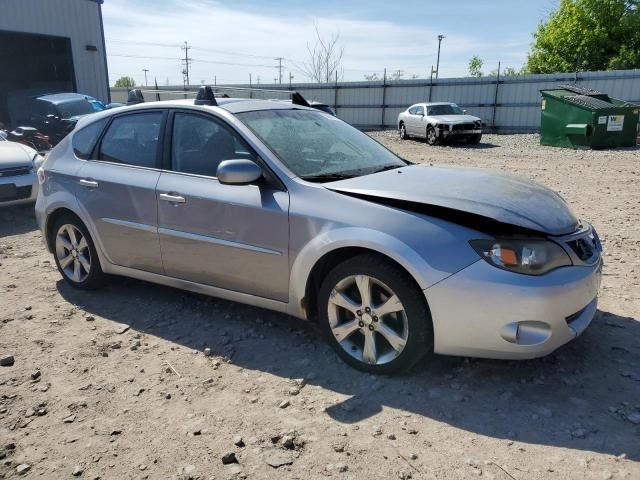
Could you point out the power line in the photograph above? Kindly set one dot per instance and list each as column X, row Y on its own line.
column 199, row 60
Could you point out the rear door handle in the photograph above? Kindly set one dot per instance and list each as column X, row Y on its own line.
column 167, row 197
column 88, row 183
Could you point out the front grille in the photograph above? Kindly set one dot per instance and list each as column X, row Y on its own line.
column 463, row 126
column 14, row 172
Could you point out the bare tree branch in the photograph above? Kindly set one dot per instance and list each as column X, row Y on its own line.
column 324, row 58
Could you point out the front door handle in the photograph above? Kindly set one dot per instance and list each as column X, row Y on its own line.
column 85, row 182
column 167, row 197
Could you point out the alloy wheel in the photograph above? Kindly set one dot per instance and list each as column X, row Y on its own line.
column 431, row 136
column 72, row 253
column 403, row 132
column 368, row 319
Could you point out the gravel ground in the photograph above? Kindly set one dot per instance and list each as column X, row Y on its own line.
column 115, row 384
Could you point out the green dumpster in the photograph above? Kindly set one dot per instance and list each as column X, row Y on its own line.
column 579, row 117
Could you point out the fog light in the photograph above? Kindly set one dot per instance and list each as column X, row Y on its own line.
column 526, row 333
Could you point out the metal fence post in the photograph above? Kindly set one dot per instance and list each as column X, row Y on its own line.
column 335, row 95
column 495, row 100
column 384, row 97
column 430, row 83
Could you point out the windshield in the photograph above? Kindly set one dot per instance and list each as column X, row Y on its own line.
column 452, row 109
column 312, row 144
column 79, row 107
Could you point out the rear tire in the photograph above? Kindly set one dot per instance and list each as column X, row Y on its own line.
column 403, row 132
column 474, row 139
column 75, row 254
column 388, row 332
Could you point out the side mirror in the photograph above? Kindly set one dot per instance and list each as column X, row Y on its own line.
column 464, row 111
column 238, row 172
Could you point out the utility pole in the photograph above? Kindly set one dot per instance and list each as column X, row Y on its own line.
column 290, row 79
column 279, row 67
column 186, row 61
column 440, row 37
column 145, row 70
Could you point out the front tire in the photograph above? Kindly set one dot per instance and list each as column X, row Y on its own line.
column 432, row 136
column 75, row 254
column 374, row 315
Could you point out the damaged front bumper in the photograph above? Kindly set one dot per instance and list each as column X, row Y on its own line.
column 446, row 131
column 483, row 311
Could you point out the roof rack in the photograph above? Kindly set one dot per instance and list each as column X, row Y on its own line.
column 206, row 94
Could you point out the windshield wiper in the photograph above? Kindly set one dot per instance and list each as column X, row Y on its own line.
column 326, row 177
column 387, row 167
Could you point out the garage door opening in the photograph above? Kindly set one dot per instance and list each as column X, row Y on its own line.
column 41, row 63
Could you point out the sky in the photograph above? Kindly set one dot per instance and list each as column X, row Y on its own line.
column 231, row 40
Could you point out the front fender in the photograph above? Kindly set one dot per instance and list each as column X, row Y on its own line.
column 374, row 240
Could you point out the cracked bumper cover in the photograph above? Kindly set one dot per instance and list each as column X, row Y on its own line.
column 483, row 311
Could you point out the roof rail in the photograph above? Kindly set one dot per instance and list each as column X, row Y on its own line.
column 135, row 97
column 207, row 94
column 205, row 97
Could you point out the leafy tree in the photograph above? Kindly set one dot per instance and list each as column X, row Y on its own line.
column 475, row 66
column 126, row 82
column 588, row 35
column 508, row 72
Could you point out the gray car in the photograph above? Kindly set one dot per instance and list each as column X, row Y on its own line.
column 438, row 122
column 283, row 207
column 18, row 166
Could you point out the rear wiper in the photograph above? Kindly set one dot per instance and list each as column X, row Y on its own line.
column 326, row 177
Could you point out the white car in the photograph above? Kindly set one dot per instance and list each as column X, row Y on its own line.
column 18, row 179
column 438, row 122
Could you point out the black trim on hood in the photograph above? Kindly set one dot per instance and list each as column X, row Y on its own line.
column 474, row 221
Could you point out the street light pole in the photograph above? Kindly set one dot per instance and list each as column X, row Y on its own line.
column 145, row 70
column 440, row 37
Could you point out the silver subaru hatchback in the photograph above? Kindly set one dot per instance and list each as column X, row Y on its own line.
column 280, row 206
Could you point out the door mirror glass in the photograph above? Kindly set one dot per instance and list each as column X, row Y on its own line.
column 238, row 172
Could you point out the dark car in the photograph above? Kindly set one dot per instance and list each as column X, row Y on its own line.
column 53, row 114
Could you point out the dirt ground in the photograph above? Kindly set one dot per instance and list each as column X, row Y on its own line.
column 114, row 384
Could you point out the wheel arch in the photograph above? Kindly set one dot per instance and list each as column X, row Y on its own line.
column 51, row 220
column 322, row 254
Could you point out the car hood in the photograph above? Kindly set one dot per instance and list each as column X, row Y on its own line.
column 15, row 155
column 490, row 196
column 454, row 118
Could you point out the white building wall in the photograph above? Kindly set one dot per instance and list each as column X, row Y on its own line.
column 79, row 20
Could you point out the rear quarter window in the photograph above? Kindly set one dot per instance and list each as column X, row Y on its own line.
column 84, row 140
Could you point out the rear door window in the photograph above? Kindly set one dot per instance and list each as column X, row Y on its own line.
column 133, row 140
column 84, row 140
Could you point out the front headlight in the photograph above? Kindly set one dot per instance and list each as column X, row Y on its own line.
column 528, row 256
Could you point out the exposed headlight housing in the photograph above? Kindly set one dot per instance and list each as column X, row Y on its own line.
column 527, row 256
